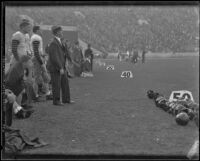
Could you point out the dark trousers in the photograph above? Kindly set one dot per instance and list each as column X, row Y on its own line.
column 30, row 94
column 7, row 114
column 77, row 71
column 91, row 61
column 143, row 59
column 60, row 82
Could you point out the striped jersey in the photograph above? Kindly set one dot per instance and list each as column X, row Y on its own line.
column 21, row 42
column 37, row 47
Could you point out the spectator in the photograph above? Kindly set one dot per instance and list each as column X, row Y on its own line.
column 77, row 57
column 89, row 55
column 56, row 66
column 143, row 55
column 135, row 56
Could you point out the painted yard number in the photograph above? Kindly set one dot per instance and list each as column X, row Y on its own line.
column 181, row 94
column 127, row 74
column 110, row 67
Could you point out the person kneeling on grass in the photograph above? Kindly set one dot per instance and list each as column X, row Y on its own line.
column 12, row 107
column 15, row 140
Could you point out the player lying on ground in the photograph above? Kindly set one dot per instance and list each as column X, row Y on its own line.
column 180, row 108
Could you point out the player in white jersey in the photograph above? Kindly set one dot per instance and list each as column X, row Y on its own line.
column 40, row 71
column 21, row 47
column 21, row 41
column 21, row 44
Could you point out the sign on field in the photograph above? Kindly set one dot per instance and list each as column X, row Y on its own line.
column 110, row 67
column 181, row 94
column 126, row 74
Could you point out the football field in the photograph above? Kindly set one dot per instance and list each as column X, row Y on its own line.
column 113, row 115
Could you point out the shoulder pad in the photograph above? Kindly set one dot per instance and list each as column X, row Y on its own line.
column 17, row 36
column 36, row 37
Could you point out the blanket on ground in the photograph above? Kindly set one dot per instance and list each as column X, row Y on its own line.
column 15, row 140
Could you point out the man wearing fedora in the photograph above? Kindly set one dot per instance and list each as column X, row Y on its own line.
column 56, row 66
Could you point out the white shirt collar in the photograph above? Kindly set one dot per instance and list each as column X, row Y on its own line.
column 58, row 39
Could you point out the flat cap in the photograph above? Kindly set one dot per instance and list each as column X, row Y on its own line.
column 55, row 29
column 25, row 22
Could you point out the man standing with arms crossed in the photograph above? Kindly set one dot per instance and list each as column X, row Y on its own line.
column 40, row 71
column 56, row 66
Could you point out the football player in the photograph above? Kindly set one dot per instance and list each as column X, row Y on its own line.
column 40, row 71
column 173, row 108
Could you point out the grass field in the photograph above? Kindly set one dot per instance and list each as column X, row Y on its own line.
column 113, row 115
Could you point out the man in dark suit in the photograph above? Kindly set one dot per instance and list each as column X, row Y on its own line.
column 56, row 66
column 89, row 54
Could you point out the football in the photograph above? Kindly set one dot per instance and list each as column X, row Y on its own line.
column 182, row 119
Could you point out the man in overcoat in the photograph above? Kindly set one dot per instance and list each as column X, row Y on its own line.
column 56, row 66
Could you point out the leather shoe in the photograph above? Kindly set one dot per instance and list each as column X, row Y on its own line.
column 69, row 76
column 70, row 102
column 58, row 104
column 49, row 97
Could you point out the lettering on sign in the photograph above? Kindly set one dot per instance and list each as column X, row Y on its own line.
column 126, row 74
column 110, row 67
column 181, row 94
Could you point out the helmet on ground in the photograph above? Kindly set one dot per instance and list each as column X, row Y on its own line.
column 182, row 118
